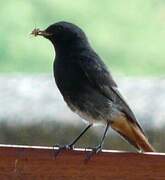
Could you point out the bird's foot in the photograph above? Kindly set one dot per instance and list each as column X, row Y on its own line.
column 94, row 151
column 61, row 148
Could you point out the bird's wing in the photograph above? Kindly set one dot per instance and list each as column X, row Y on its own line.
column 100, row 78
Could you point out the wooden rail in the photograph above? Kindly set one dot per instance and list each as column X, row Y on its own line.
column 39, row 163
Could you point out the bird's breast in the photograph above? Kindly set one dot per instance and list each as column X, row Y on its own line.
column 68, row 76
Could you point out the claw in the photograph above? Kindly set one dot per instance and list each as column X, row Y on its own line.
column 94, row 151
column 61, row 148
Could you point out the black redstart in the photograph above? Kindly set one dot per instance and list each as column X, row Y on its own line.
column 88, row 87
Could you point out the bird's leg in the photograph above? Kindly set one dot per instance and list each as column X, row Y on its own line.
column 71, row 145
column 98, row 148
column 81, row 134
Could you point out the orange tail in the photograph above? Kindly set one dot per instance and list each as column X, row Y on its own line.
column 132, row 133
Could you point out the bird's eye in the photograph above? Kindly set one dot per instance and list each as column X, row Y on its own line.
column 59, row 28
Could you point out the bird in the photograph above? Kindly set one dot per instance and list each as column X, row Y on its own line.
column 88, row 87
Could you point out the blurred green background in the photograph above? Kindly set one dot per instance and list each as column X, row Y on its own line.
column 128, row 35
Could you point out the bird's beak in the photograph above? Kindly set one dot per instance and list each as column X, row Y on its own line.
column 38, row 32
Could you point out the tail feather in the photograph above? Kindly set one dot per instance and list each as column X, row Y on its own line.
column 132, row 133
column 142, row 140
column 128, row 139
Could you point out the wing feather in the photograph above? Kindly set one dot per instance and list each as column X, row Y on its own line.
column 101, row 79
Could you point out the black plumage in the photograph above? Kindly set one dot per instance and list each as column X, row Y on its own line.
column 88, row 87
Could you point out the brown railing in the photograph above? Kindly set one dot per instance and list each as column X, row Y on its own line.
column 39, row 163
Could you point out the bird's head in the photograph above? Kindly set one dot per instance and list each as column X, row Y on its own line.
column 63, row 35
